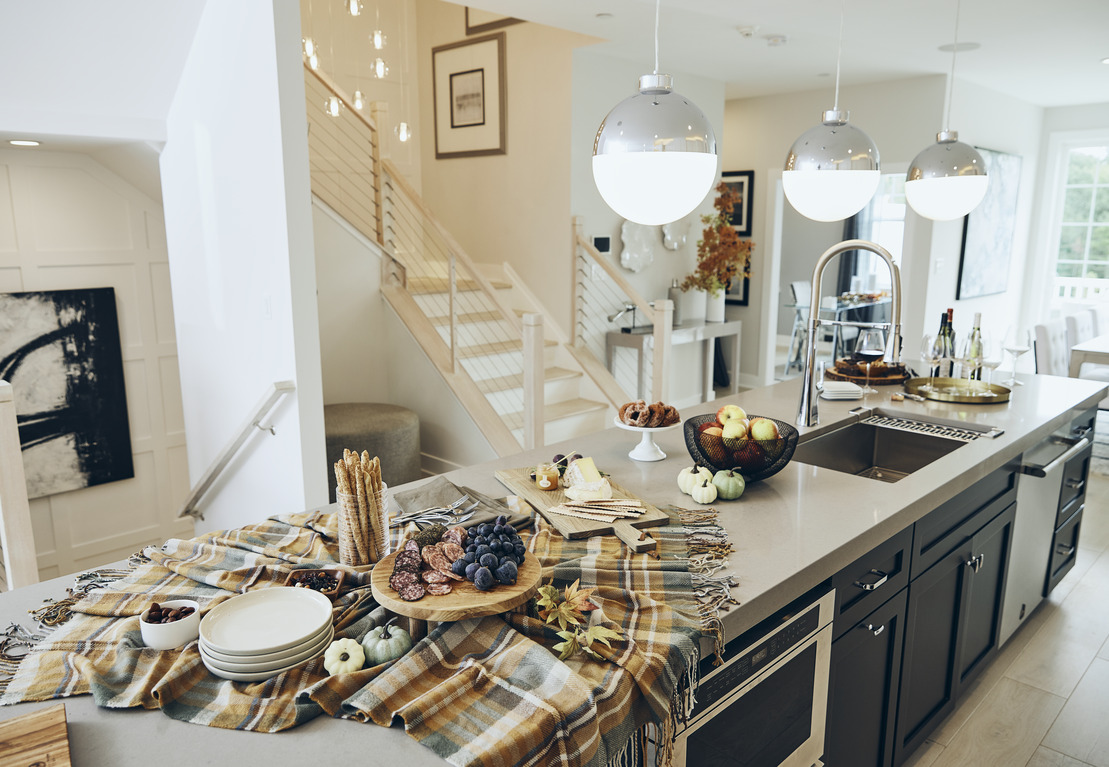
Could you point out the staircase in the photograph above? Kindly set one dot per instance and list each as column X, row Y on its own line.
column 488, row 336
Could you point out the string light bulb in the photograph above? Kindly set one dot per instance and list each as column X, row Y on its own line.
column 378, row 38
column 333, row 106
column 358, row 101
column 354, row 7
column 403, row 131
column 380, row 68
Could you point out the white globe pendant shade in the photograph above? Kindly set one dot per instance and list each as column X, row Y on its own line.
column 654, row 157
column 946, row 180
column 831, row 171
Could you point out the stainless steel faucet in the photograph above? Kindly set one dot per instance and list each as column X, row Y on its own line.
column 807, row 412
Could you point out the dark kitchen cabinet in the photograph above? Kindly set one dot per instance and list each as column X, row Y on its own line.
column 862, row 691
column 951, row 628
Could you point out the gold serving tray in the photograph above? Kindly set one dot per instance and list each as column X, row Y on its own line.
column 964, row 390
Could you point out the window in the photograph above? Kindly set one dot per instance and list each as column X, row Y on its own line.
column 1081, row 245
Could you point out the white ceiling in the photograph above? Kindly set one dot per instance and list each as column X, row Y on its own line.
column 1046, row 53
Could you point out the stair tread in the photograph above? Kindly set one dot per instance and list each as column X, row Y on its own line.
column 496, row 347
column 566, row 409
column 467, row 318
column 504, row 383
column 420, row 286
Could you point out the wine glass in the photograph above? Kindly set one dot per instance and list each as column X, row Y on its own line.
column 870, row 347
column 970, row 360
column 930, row 352
column 991, row 360
column 1017, row 341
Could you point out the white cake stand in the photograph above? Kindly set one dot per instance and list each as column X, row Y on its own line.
column 646, row 450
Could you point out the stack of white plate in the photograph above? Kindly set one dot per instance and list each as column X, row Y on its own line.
column 263, row 633
column 841, row 390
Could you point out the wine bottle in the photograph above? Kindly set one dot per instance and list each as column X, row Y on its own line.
column 937, row 345
column 974, row 350
column 949, row 344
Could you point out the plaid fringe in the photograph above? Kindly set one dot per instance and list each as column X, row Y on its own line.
column 709, row 547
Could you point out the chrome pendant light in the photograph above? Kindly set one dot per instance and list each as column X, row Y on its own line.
column 948, row 179
column 654, row 157
column 831, row 171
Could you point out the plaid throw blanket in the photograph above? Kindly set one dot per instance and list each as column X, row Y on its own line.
column 484, row 691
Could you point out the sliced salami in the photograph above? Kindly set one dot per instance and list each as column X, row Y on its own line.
column 450, row 574
column 433, row 576
column 427, row 552
column 413, row 592
column 455, row 535
column 439, row 589
column 408, row 560
column 412, row 545
column 402, row 578
column 452, row 551
column 438, row 561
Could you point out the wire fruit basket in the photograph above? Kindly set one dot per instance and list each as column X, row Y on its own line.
column 754, row 459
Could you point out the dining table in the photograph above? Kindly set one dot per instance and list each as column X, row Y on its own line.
column 1094, row 351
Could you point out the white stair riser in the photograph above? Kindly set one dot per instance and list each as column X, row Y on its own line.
column 567, row 428
column 512, row 400
column 473, row 333
column 508, row 363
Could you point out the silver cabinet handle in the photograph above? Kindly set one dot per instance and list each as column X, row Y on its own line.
column 882, row 578
column 975, row 563
column 1064, row 550
column 1076, row 484
column 875, row 630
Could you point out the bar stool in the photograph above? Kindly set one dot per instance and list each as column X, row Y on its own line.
column 802, row 296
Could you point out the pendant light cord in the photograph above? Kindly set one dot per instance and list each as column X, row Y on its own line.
column 951, row 80
column 658, row 4
column 839, row 52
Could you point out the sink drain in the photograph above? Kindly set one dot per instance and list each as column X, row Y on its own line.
column 882, row 474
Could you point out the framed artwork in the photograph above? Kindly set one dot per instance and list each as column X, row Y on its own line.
column 479, row 21
column 60, row 351
column 738, row 292
column 988, row 229
column 468, row 87
column 743, row 182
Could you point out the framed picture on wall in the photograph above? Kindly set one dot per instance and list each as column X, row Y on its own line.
column 738, row 292
column 743, row 182
column 988, row 229
column 469, row 97
column 479, row 21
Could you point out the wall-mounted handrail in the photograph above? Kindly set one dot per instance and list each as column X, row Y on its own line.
column 277, row 391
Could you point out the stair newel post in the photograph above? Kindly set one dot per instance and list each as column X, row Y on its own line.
column 453, row 281
column 533, row 380
column 377, row 110
column 660, row 368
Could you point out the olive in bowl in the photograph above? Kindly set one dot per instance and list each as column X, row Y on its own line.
column 172, row 624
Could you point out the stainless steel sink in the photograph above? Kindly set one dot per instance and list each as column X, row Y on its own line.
column 882, row 452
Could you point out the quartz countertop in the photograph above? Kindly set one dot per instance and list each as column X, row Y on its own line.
column 790, row 532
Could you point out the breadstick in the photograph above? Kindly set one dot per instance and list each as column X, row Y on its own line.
column 342, row 482
column 357, row 522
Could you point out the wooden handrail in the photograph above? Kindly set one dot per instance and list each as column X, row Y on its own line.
column 331, row 85
column 452, row 244
column 641, row 303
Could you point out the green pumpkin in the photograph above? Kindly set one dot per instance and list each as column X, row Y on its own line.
column 729, row 484
column 385, row 643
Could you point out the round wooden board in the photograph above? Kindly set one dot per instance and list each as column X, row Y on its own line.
column 465, row 601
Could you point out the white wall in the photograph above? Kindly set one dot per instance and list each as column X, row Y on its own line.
column 599, row 84
column 65, row 223
column 238, row 223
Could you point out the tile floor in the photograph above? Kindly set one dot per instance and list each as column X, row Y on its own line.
column 1044, row 701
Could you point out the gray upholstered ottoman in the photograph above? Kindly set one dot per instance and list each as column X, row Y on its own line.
column 390, row 432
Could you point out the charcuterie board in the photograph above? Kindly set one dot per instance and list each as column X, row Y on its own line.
column 630, row 531
column 464, row 601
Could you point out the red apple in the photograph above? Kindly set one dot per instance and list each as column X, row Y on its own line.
column 730, row 413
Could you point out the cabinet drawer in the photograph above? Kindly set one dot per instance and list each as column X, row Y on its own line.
column 952, row 523
column 1075, row 473
column 1064, row 549
column 870, row 580
column 1083, row 425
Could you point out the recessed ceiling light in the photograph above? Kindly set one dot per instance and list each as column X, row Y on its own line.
column 23, row 142
column 603, row 15
column 960, row 47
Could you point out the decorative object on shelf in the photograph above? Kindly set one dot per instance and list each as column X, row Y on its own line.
column 948, row 179
column 469, row 97
column 60, row 351
column 654, row 157
column 714, row 307
column 721, row 255
column 479, row 21
column 675, row 234
column 638, row 251
column 988, row 230
column 743, row 183
column 831, row 171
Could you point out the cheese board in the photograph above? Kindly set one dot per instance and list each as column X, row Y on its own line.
column 629, row 530
column 40, row 737
column 464, row 601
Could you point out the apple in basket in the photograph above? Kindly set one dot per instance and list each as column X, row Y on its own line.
column 711, row 438
column 735, row 434
column 765, row 433
column 730, row 413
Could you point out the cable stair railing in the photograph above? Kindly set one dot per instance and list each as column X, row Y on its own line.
column 490, row 357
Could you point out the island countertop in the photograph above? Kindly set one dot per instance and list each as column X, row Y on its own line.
column 790, row 533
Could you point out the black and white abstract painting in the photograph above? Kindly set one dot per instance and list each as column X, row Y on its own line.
column 60, row 351
column 988, row 229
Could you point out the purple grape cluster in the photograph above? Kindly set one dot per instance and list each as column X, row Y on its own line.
column 494, row 555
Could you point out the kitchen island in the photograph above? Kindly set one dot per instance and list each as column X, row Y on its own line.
column 790, row 533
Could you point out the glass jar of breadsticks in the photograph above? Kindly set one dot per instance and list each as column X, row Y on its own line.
column 363, row 521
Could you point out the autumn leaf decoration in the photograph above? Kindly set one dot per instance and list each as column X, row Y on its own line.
column 569, row 610
column 721, row 255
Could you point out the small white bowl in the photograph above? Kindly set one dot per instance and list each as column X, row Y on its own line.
column 167, row 636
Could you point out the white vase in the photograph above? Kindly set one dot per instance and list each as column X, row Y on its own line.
column 714, row 307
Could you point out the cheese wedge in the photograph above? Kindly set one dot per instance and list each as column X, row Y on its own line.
column 590, row 491
column 582, row 472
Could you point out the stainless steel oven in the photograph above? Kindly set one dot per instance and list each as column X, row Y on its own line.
column 766, row 705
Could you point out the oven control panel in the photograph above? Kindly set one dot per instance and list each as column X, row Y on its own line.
column 738, row 669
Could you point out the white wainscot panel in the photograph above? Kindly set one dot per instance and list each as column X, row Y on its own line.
column 8, row 244
column 164, row 329
column 179, row 483
column 11, row 280
column 73, row 211
column 115, row 514
column 138, row 399
column 171, row 396
column 42, row 525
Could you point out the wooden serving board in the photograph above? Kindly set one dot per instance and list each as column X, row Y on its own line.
column 465, row 601
column 627, row 530
column 40, row 737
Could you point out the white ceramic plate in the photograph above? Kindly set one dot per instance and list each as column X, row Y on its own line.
column 256, row 667
column 236, row 676
column 265, row 621
column 274, row 658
